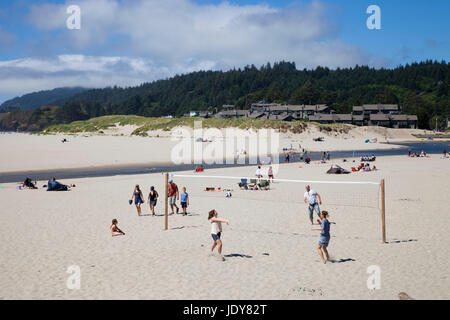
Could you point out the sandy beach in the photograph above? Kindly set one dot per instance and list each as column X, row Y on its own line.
column 269, row 246
column 117, row 147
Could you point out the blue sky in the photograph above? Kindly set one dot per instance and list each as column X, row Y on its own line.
column 126, row 42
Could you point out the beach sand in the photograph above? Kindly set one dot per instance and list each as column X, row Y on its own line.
column 117, row 148
column 269, row 247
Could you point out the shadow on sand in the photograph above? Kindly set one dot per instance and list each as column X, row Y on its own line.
column 237, row 255
column 402, row 241
column 342, row 260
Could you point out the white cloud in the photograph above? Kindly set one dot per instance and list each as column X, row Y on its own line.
column 179, row 31
column 128, row 42
column 31, row 74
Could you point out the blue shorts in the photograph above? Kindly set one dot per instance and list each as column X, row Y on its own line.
column 323, row 242
column 184, row 204
column 312, row 208
column 138, row 201
column 216, row 236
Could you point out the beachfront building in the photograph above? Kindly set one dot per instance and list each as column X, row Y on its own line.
column 232, row 113
column 332, row 118
column 295, row 111
column 394, row 120
column 383, row 115
column 367, row 110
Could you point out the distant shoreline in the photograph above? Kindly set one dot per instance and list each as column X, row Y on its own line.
column 160, row 167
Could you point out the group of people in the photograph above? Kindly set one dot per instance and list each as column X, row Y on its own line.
column 365, row 167
column 325, row 156
column 422, row 154
column 371, row 158
column 259, row 174
column 173, row 196
column 311, row 198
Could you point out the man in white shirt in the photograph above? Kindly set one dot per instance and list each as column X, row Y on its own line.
column 312, row 198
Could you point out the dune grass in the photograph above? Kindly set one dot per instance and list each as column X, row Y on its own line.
column 145, row 124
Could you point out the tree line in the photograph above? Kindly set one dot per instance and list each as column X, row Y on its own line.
column 420, row 88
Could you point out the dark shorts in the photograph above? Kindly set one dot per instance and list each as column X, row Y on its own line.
column 138, row 201
column 323, row 242
column 153, row 203
column 215, row 236
column 184, row 204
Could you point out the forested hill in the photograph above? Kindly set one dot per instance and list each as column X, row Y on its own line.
column 420, row 88
column 36, row 99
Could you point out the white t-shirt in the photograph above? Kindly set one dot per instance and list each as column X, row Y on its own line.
column 216, row 227
column 311, row 196
column 258, row 172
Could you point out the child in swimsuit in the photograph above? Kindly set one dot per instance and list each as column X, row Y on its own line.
column 115, row 231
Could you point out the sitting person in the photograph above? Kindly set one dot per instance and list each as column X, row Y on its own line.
column 29, row 184
column 54, row 185
column 115, row 231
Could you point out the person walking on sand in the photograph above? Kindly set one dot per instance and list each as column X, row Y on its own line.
column 174, row 195
column 270, row 173
column 152, row 199
column 324, row 236
column 184, row 199
column 115, row 231
column 138, row 198
column 216, row 231
column 313, row 199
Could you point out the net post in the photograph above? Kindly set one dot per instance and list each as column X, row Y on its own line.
column 383, row 211
column 166, row 208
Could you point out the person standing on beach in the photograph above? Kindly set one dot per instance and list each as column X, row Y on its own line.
column 258, row 173
column 313, row 199
column 324, row 236
column 174, row 195
column 409, row 152
column 138, row 198
column 152, row 199
column 270, row 173
column 184, row 199
column 216, row 231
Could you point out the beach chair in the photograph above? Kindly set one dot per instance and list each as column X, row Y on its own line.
column 243, row 184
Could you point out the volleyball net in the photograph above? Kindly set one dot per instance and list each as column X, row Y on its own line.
column 367, row 195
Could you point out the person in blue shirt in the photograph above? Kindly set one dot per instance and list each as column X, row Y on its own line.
column 324, row 236
column 184, row 199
